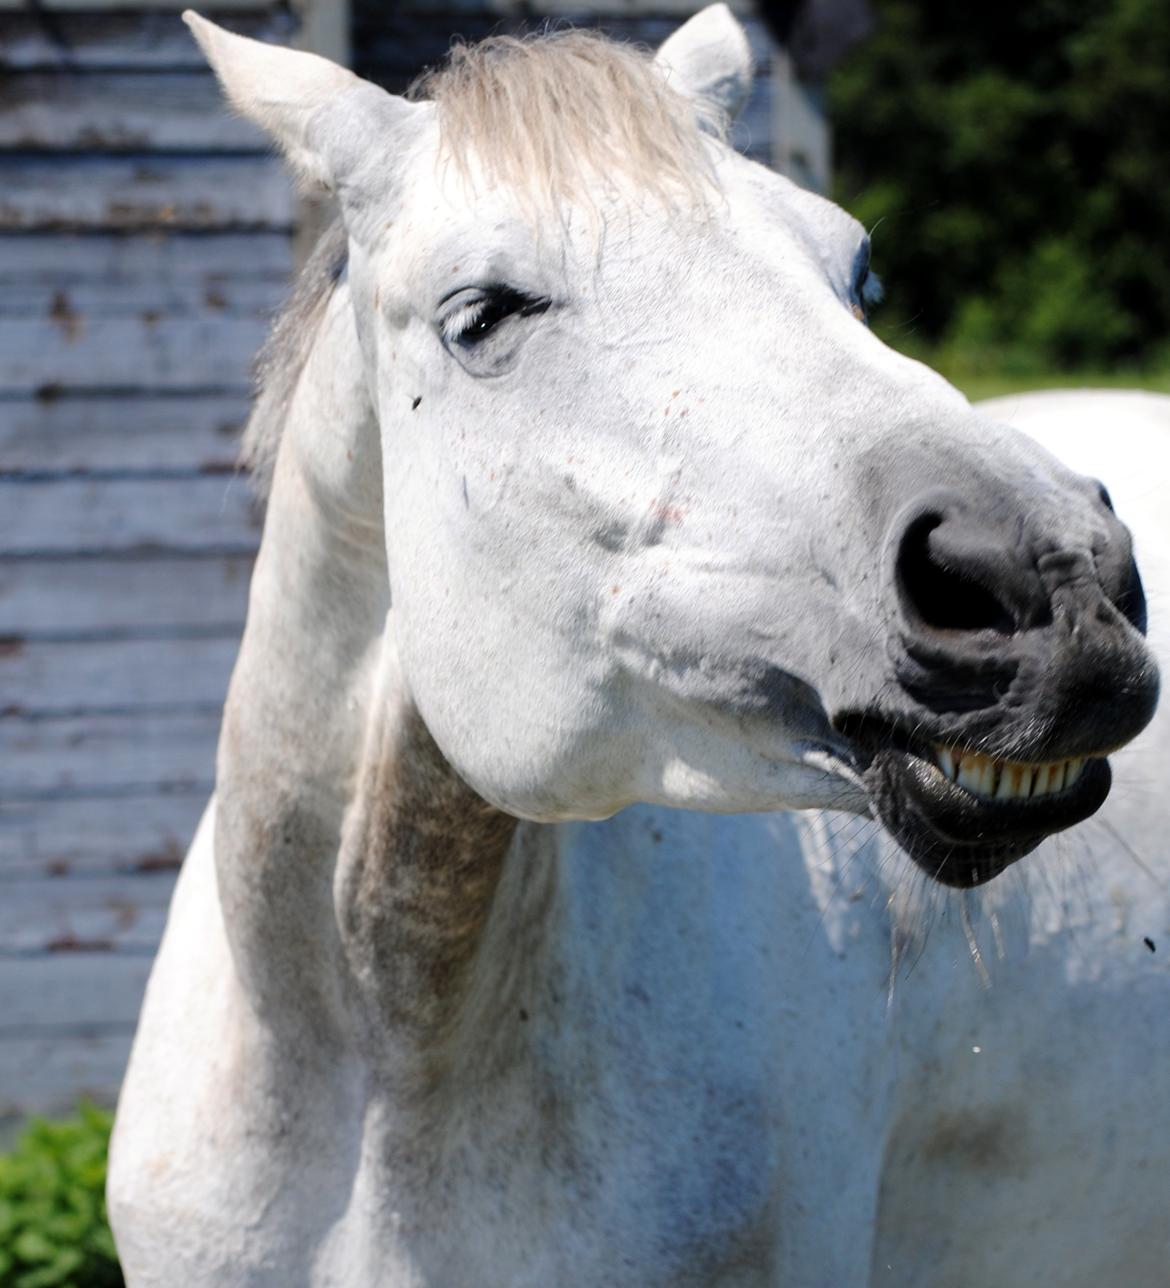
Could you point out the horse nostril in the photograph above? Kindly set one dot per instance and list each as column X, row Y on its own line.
column 937, row 589
column 1130, row 600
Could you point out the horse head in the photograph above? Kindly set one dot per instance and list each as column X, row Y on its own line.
column 664, row 520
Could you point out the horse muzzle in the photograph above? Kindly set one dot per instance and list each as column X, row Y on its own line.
column 1017, row 665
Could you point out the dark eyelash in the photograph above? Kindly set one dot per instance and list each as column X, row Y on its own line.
column 474, row 322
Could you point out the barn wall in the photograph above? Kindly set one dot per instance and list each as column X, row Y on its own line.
column 144, row 243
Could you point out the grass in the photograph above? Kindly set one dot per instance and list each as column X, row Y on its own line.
column 978, row 385
column 993, row 373
column 53, row 1227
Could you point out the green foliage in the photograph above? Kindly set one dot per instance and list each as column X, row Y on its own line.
column 53, row 1228
column 1012, row 163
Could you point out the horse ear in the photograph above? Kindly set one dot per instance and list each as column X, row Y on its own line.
column 294, row 96
column 708, row 59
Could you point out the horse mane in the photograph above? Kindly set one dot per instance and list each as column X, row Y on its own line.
column 282, row 359
column 541, row 114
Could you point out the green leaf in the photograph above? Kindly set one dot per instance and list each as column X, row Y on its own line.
column 32, row 1246
column 53, row 1229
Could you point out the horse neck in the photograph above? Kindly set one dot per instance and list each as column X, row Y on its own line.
column 356, row 870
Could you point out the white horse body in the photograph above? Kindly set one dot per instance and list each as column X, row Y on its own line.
column 393, row 1037
column 744, row 1060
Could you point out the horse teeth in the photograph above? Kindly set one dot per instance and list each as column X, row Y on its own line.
column 1011, row 782
column 969, row 773
column 1006, row 780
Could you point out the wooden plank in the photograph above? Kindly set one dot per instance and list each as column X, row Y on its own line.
column 325, row 28
column 198, row 516
column 66, row 1023
column 121, row 112
column 71, row 312
column 48, row 1075
column 41, row 679
column 112, row 260
column 106, row 755
column 123, row 40
column 71, row 991
column 56, row 838
column 75, row 280
column 172, row 6
column 129, row 194
column 64, row 918
column 212, row 353
column 84, row 599
column 140, row 434
column 138, row 312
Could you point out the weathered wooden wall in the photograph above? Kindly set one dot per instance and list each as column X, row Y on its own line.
column 144, row 243
column 145, row 239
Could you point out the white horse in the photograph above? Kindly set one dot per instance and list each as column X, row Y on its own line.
column 590, row 490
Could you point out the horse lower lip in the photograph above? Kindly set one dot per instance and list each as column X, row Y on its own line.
column 962, row 815
column 960, row 838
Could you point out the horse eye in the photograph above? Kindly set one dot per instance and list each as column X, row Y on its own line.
column 488, row 315
column 865, row 290
column 475, row 321
column 870, row 291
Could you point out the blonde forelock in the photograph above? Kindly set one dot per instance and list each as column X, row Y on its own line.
column 550, row 115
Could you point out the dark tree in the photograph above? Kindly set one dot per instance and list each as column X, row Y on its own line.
column 1015, row 162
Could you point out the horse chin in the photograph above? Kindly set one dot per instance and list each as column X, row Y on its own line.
column 964, row 835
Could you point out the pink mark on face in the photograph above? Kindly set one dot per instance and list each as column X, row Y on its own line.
column 665, row 513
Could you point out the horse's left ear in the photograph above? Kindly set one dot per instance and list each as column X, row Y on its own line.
column 323, row 117
column 708, row 59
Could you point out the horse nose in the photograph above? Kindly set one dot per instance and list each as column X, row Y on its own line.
column 958, row 572
column 961, row 568
column 1006, row 597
